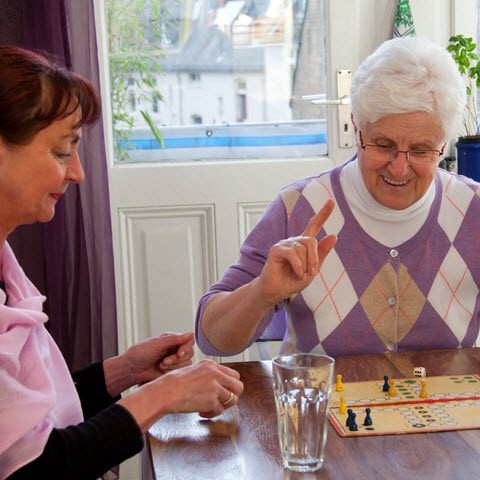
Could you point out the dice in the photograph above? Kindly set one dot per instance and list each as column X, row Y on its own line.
column 419, row 372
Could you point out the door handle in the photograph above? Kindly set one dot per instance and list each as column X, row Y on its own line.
column 321, row 99
column 345, row 128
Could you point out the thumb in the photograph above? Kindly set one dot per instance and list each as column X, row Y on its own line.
column 172, row 339
column 324, row 247
column 185, row 337
column 176, row 334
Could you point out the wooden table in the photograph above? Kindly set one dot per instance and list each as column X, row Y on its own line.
column 242, row 444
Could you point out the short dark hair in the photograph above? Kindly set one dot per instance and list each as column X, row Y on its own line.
column 36, row 90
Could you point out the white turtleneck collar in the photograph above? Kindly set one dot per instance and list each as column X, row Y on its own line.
column 387, row 226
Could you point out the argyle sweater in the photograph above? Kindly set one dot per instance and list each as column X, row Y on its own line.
column 369, row 298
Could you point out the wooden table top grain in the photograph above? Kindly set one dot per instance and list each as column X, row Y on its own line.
column 242, row 443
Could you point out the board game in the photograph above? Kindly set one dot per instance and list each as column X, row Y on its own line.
column 452, row 403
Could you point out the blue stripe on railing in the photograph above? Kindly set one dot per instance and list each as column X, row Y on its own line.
column 206, row 142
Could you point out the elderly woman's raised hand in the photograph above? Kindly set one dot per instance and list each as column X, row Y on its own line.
column 293, row 263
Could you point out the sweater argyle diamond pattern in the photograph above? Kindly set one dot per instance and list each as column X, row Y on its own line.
column 367, row 299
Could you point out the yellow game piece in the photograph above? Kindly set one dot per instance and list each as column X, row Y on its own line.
column 339, row 385
column 391, row 391
column 343, row 407
column 423, row 392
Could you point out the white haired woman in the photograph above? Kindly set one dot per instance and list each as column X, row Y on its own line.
column 379, row 254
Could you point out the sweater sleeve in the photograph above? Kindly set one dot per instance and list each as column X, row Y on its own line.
column 270, row 229
column 91, row 388
column 86, row 451
column 107, row 437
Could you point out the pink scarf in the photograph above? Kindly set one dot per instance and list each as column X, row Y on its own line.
column 36, row 390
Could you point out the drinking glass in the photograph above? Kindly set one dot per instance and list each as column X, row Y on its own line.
column 302, row 384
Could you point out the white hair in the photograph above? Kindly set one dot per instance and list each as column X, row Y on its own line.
column 409, row 74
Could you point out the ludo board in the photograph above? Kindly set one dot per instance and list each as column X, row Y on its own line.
column 453, row 403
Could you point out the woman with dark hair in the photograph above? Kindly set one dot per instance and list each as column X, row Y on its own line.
column 52, row 425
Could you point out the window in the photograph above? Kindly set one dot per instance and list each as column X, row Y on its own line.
column 194, row 77
column 220, row 106
column 132, row 101
column 241, row 107
column 235, row 69
column 154, row 104
column 196, row 119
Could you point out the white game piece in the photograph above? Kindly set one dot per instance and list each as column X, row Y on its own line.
column 419, row 372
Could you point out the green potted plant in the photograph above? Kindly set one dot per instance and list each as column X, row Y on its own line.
column 463, row 51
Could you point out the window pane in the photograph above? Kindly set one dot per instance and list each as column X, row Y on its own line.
column 216, row 79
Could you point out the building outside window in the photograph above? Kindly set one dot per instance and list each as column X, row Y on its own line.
column 200, row 49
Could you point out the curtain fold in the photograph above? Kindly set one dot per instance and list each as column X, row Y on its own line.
column 96, row 271
column 70, row 259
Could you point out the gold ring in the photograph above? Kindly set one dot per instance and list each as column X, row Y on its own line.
column 226, row 402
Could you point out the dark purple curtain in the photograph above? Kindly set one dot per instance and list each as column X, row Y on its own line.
column 70, row 259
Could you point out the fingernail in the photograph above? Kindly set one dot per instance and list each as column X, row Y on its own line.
column 168, row 361
column 182, row 354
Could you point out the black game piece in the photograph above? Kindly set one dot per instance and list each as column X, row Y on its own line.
column 368, row 419
column 349, row 418
column 353, row 427
column 386, row 385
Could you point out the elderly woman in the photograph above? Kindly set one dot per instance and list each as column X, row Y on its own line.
column 379, row 254
column 52, row 426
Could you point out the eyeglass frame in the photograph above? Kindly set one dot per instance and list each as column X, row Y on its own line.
column 395, row 151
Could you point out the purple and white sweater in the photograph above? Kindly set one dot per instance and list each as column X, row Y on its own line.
column 370, row 298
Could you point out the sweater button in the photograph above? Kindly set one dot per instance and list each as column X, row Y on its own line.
column 393, row 253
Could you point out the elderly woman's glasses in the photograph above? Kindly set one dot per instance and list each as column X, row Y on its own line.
column 388, row 154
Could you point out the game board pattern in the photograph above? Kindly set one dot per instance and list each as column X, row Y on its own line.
column 453, row 403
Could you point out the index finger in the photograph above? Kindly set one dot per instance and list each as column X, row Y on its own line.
column 316, row 222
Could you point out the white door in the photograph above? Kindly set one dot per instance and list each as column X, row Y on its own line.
column 178, row 226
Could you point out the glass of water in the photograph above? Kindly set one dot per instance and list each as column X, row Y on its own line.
column 302, row 384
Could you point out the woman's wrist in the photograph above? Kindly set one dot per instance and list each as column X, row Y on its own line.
column 263, row 301
column 146, row 404
column 118, row 375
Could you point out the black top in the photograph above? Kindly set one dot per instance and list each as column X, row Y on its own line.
column 2, row 286
column 108, row 436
